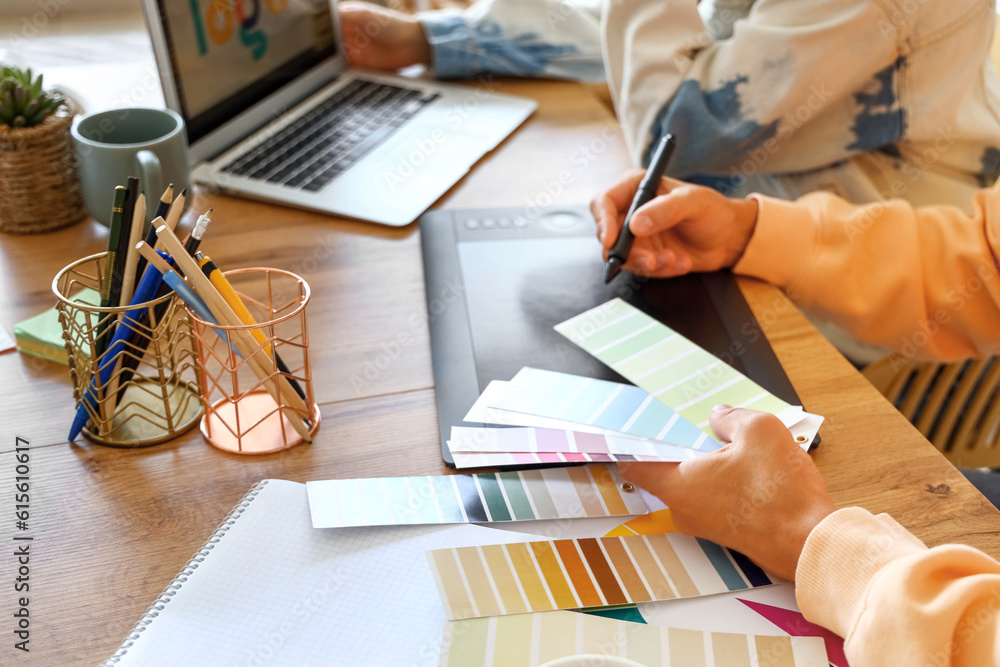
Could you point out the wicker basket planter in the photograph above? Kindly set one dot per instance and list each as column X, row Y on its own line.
column 39, row 188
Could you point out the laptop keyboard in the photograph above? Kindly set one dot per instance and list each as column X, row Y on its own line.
column 323, row 143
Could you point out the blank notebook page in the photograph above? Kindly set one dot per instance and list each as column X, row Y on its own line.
column 276, row 591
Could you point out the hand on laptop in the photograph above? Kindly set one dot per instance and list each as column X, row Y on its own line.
column 761, row 494
column 684, row 228
column 380, row 38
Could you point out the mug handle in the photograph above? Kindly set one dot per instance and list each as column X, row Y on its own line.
column 150, row 175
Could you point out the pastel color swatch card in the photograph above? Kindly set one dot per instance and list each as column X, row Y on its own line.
column 469, row 460
column 525, row 495
column 530, row 439
column 607, row 405
column 667, row 365
column 480, row 447
column 529, row 640
column 597, row 572
column 482, row 412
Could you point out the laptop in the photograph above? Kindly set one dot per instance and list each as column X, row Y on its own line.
column 274, row 113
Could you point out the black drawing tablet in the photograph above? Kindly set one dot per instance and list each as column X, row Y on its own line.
column 498, row 280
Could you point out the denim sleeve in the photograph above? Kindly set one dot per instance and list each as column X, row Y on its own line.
column 531, row 38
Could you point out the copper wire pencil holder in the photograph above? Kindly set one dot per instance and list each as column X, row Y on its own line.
column 241, row 415
column 152, row 394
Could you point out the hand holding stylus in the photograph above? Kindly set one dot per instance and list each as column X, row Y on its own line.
column 684, row 228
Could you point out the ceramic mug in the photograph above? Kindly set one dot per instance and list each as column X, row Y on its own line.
column 110, row 146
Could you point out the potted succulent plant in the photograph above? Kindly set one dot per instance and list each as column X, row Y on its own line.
column 39, row 189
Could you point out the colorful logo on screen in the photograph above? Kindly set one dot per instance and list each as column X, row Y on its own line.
column 221, row 18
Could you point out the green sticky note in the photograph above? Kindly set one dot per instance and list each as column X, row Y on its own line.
column 42, row 335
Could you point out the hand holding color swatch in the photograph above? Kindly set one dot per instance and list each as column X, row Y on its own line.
column 669, row 366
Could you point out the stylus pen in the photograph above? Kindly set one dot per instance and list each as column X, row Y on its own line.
column 618, row 254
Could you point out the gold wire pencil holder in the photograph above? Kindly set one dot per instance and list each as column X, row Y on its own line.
column 241, row 414
column 150, row 393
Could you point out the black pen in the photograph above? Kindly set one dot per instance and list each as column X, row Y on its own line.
column 618, row 254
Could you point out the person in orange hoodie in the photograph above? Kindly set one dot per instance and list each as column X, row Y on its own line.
column 924, row 281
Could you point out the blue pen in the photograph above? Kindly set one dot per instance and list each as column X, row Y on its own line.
column 194, row 301
column 146, row 291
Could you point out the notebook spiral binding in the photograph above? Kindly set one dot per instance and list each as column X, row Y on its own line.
column 182, row 576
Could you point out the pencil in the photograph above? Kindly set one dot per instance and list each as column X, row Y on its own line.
column 176, row 208
column 276, row 385
column 132, row 258
column 128, row 282
column 132, row 362
column 217, row 278
column 161, row 211
column 178, row 285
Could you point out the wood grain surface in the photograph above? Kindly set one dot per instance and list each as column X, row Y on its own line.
column 112, row 527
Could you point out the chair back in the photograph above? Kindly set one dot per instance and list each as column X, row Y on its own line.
column 954, row 405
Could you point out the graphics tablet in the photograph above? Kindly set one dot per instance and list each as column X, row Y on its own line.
column 498, row 280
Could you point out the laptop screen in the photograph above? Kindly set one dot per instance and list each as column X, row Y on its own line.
column 227, row 55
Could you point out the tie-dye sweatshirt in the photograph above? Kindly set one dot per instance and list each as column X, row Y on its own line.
column 870, row 100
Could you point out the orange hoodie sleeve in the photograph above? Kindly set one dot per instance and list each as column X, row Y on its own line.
column 895, row 601
column 922, row 281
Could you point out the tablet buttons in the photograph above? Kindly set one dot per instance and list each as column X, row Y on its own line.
column 516, row 222
column 561, row 221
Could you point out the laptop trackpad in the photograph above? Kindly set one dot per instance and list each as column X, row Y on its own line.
column 416, row 165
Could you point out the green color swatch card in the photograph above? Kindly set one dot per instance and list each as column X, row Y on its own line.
column 667, row 365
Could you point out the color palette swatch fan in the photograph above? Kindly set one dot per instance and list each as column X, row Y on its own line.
column 564, row 418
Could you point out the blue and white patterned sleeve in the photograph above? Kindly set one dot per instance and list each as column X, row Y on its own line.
column 540, row 38
column 798, row 85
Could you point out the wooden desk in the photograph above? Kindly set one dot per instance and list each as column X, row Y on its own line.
column 112, row 527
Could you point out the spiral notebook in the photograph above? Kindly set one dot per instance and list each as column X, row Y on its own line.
column 269, row 589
